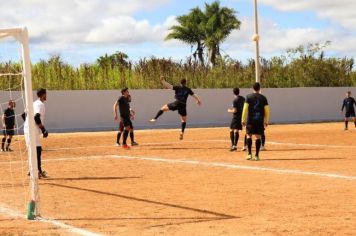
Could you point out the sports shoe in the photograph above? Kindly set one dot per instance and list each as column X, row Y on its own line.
column 257, row 158
column 244, row 148
column 2, row 150
column 9, row 149
column 181, row 136
column 346, row 129
column 153, row 120
column 249, row 157
column 263, row 148
column 42, row 174
column 134, row 144
column 125, row 146
column 117, row 144
column 233, row 148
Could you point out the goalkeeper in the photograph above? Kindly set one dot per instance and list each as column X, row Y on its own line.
column 40, row 130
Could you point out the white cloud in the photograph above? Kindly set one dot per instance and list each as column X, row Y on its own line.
column 341, row 11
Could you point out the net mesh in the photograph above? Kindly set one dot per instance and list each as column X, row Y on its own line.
column 13, row 158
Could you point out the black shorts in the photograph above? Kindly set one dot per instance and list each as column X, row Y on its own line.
column 127, row 121
column 181, row 107
column 9, row 131
column 350, row 114
column 236, row 124
column 255, row 127
column 121, row 126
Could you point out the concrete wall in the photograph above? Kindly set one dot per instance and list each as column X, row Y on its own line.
column 92, row 110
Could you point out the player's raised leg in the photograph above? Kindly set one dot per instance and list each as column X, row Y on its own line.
column 164, row 109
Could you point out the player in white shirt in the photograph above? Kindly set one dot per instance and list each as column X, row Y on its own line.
column 39, row 111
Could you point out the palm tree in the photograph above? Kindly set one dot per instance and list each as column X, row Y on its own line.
column 220, row 22
column 190, row 30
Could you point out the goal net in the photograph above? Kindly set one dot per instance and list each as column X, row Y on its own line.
column 18, row 162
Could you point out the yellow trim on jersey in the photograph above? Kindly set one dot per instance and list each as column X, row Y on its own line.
column 266, row 114
column 244, row 113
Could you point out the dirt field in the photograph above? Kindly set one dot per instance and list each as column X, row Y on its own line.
column 305, row 184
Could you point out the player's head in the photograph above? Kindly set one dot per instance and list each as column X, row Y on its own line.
column 125, row 92
column 12, row 104
column 236, row 91
column 42, row 94
column 256, row 87
column 183, row 82
column 348, row 94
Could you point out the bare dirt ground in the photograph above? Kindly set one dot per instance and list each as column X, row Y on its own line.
column 305, row 184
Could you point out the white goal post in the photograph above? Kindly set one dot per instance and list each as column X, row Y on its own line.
column 21, row 35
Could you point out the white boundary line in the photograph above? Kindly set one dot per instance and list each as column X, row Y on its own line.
column 205, row 141
column 234, row 166
column 9, row 212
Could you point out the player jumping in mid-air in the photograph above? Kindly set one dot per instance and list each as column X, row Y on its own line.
column 121, row 128
column 236, row 124
column 181, row 95
column 348, row 104
column 125, row 114
column 8, row 126
column 255, row 116
column 40, row 111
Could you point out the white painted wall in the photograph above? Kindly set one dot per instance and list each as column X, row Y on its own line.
column 92, row 110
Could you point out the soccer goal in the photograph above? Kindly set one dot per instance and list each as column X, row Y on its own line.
column 18, row 161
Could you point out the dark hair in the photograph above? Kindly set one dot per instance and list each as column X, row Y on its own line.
column 183, row 82
column 349, row 92
column 41, row 92
column 236, row 91
column 124, row 90
column 256, row 86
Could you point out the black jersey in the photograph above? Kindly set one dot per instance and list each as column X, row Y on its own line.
column 257, row 103
column 348, row 104
column 124, row 106
column 238, row 104
column 9, row 117
column 182, row 93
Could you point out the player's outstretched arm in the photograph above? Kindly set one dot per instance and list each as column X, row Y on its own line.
column 165, row 83
column 40, row 125
column 197, row 99
column 343, row 105
column 232, row 110
column 115, row 110
column 267, row 111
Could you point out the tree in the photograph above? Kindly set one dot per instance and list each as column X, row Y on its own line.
column 190, row 30
column 220, row 22
column 205, row 29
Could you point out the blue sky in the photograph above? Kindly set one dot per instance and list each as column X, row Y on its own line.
column 81, row 31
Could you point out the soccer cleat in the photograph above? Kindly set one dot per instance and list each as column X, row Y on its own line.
column 263, row 148
column 2, row 150
column 257, row 158
column 233, row 148
column 134, row 144
column 181, row 136
column 125, row 146
column 42, row 174
column 249, row 157
column 153, row 120
column 243, row 148
column 117, row 144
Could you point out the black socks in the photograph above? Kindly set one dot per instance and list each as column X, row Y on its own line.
column 232, row 138
column 184, row 124
column 236, row 139
column 3, row 143
column 132, row 136
column 39, row 153
column 346, row 124
column 118, row 137
column 249, row 145
column 126, row 134
column 159, row 113
column 263, row 139
column 258, row 146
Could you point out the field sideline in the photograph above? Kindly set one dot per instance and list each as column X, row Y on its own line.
column 305, row 184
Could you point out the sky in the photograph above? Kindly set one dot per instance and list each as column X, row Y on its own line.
column 83, row 30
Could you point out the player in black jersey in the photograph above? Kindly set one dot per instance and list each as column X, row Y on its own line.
column 125, row 114
column 348, row 104
column 236, row 125
column 181, row 95
column 8, row 126
column 255, row 116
